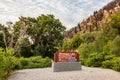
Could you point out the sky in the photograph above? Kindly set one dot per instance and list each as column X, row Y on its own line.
column 69, row 12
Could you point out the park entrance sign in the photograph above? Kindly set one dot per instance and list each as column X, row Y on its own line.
column 66, row 61
column 66, row 57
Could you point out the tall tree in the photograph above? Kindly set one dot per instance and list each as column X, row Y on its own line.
column 21, row 37
column 45, row 34
column 2, row 44
column 5, row 35
column 115, row 21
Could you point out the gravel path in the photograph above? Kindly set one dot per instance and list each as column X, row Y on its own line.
column 47, row 74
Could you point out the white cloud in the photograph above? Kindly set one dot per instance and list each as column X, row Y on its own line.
column 70, row 12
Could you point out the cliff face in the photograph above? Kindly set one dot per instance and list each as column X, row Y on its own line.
column 95, row 21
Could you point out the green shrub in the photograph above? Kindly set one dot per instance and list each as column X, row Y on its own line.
column 109, row 57
column 95, row 60
column 17, row 63
column 33, row 62
column 82, row 60
column 92, row 62
column 87, row 37
column 89, row 62
column 85, row 50
column 76, row 41
column 107, row 64
column 112, row 64
column 24, row 62
column 2, row 71
column 6, row 63
column 116, row 64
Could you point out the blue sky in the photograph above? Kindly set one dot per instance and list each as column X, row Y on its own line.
column 70, row 12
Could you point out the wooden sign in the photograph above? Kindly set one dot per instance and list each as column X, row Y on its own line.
column 66, row 57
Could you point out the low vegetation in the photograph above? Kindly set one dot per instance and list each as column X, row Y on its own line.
column 8, row 62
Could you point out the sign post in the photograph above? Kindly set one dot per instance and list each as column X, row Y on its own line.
column 66, row 61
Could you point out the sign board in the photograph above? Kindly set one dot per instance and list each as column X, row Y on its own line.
column 66, row 57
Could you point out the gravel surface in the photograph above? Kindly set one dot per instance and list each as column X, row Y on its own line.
column 47, row 74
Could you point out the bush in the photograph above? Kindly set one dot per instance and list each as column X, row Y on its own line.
column 24, row 61
column 107, row 64
column 34, row 62
column 113, row 47
column 85, row 50
column 2, row 71
column 95, row 60
column 109, row 57
column 76, row 41
column 89, row 62
column 113, row 63
column 8, row 62
column 116, row 64
column 5, row 62
column 87, row 37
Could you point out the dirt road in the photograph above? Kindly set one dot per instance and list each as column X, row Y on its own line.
column 47, row 74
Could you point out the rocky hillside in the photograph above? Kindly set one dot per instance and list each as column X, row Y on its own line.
column 95, row 21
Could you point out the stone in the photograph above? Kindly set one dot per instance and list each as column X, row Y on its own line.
column 66, row 66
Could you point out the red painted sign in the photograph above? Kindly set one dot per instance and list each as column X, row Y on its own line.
column 66, row 57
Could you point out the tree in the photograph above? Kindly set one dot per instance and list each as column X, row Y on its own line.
column 76, row 41
column 11, row 35
column 115, row 46
column 24, row 49
column 85, row 49
column 21, row 38
column 45, row 33
column 87, row 37
column 1, row 41
column 115, row 21
column 5, row 36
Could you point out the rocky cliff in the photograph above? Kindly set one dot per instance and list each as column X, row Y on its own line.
column 95, row 22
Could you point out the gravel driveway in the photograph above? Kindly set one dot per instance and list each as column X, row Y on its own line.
column 47, row 74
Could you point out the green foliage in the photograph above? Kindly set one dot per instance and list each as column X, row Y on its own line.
column 76, row 41
column 112, row 64
column 109, row 57
column 113, row 47
column 95, row 60
column 100, row 41
column 8, row 62
column 5, row 62
column 66, row 46
column 45, row 34
column 99, row 48
column 107, row 64
column 85, row 49
column 87, row 37
column 2, row 71
column 72, row 44
column 34, row 62
column 116, row 64
column 110, row 33
column 1, row 41
column 115, row 21
column 24, row 49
